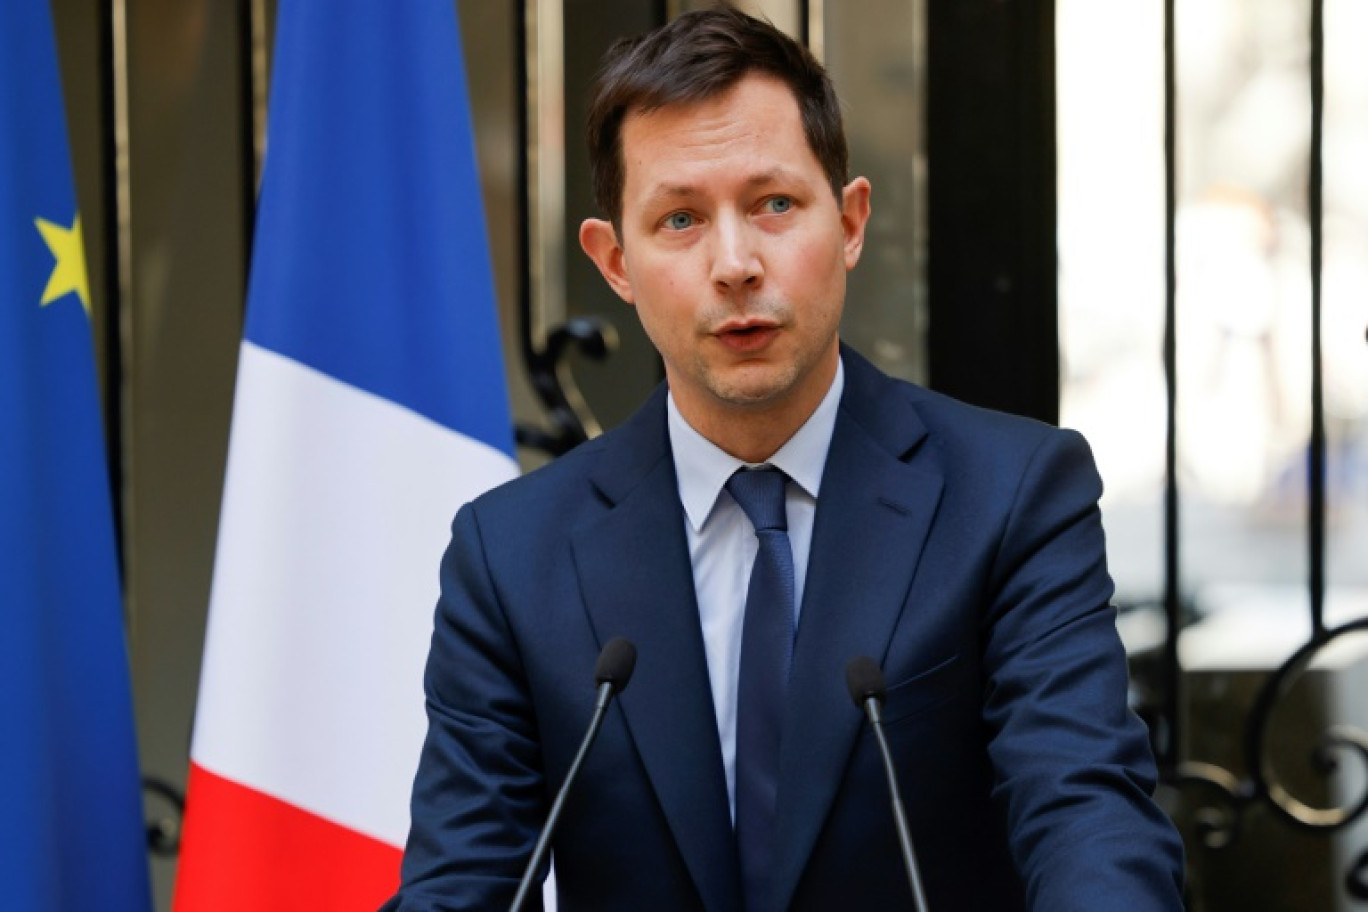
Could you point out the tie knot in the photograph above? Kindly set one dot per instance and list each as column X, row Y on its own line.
column 760, row 493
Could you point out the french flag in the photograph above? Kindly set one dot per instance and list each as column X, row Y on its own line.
column 370, row 405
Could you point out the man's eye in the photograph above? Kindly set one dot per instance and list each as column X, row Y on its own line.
column 678, row 221
column 779, row 203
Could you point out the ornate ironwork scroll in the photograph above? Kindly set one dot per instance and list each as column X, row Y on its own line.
column 1356, row 881
column 164, row 831
column 1338, row 740
column 1220, row 816
column 568, row 414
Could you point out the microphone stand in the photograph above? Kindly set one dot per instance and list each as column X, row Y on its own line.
column 605, row 696
column 865, row 680
column 874, row 710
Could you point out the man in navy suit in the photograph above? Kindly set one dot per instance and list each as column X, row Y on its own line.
column 961, row 549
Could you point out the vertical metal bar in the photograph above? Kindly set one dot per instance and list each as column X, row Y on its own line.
column 120, row 272
column 113, row 285
column 523, row 177
column 545, row 149
column 261, row 73
column 1169, row 748
column 1316, row 456
column 247, row 143
column 252, row 64
column 813, row 17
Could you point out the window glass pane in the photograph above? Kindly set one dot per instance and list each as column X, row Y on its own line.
column 1244, row 317
column 1344, row 306
column 1110, row 59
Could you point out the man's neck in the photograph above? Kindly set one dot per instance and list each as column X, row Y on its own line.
column 755, row 433
column 752, row 438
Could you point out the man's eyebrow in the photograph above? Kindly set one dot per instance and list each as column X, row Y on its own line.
column 666, row 192
column 670, row 192
column 772, row 176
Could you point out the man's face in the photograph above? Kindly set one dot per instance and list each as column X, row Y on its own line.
column 733, row 251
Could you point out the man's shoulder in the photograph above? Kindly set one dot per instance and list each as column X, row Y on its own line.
column 576, row 477
column 975, row 424
column 951, row 425
column 557, row 479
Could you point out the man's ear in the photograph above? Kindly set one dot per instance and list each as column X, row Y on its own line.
column 600, row 242
column 854, row 217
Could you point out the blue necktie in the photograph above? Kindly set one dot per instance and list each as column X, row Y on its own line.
column 766, row 650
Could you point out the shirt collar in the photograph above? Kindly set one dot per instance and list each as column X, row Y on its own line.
column 703, row 468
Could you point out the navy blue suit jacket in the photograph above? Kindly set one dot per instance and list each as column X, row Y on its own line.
column 960, row 548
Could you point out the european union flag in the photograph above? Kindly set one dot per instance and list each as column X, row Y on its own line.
column 71, row 828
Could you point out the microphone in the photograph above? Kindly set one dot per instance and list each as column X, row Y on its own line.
column 865, row 681
column 612, row 671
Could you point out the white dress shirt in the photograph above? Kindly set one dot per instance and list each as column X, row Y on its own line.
column 722, row 543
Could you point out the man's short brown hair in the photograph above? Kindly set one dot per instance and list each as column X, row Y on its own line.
column 696, row 57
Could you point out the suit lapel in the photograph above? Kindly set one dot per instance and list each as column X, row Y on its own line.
column 637, row 582
column 874, row 512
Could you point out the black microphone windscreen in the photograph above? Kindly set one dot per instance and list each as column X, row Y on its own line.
column 865, row 679
column 616, row 663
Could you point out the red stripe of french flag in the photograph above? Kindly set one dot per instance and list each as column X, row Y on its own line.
column 242, row 845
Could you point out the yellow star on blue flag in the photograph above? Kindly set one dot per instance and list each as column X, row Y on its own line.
column 69, row 272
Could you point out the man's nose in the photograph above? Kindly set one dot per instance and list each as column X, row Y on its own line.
column 736, row 257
